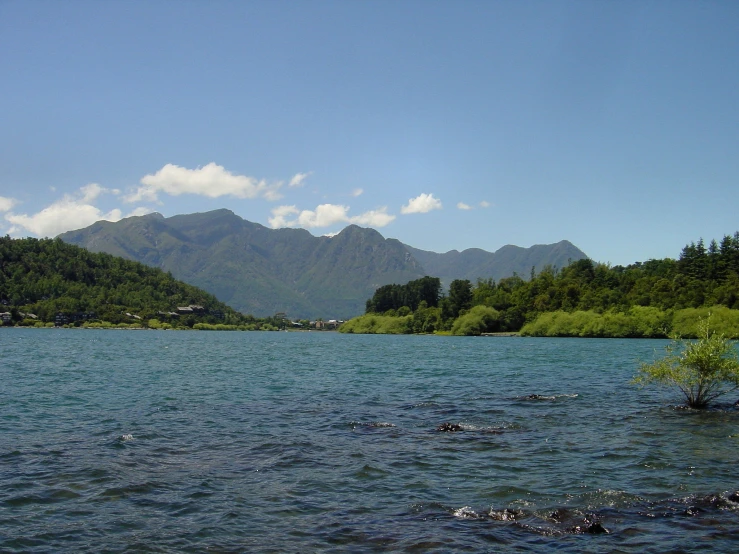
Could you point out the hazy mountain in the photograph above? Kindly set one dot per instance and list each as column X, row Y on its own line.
column 263, row 271
column 474, row 263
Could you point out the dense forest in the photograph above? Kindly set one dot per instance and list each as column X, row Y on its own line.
column 655, row 298
column 43, row 281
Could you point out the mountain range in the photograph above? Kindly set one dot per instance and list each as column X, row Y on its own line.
column 262, row 271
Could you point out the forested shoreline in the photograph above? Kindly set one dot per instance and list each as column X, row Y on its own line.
column 656, row 298
column 42, row 278
column 45, row 282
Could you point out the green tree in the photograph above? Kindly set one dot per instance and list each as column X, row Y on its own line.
column 702, row 370
column 460, row 296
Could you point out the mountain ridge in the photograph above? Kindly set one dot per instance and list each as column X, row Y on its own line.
column 262, row 271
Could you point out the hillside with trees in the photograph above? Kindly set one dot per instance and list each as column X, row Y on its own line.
column 261, row 271
column 655, row 298
column 44, row 280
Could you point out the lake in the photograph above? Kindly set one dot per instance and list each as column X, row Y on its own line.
column 153, row 441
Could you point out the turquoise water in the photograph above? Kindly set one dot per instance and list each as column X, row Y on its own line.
column 271, row 442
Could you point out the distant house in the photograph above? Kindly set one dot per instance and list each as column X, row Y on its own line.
column 6, row 317
column 62, row 318
column 191, row 309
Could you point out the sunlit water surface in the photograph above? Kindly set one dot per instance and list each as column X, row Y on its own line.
column 271, row 442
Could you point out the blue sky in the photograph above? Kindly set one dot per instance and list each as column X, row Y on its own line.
column 446, row 125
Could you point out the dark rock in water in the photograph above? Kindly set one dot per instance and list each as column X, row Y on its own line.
column 597, row 529
column 692, row 511
column 447, row 427
column 734, row 496
column 537, row 397
column 590, row 526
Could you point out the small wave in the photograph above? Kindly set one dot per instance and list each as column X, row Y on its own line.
column 426, row 404
column 466, row 512
column 51, row 496
column 132, row 489
column 546, row 397
column 371, row 424
column 370, row 472
column 559, row 522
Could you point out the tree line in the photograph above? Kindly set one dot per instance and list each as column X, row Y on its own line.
column 647, row 295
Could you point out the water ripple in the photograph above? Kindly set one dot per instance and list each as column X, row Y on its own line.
column 273, row 442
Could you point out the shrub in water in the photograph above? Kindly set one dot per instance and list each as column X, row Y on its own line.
column 702, row 370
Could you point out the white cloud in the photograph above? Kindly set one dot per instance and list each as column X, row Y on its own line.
column 71, row 212
column 326, row 215
column 374, row 218
column 211, row 180
column 421, row 204
column 298, row 178
column 6, row 204
column 484, row 204
column 463, row 206
column 279, row 216
column 92, row 191
column 63, row 215
column 357, row 192
column 139, row 211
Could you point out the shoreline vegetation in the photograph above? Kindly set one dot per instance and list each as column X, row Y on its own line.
column 652, row 299
column 47, row 283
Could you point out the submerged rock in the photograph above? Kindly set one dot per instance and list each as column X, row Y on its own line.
column 538, row 397
column 447, row 427
column 505, row 515
column 590, row 526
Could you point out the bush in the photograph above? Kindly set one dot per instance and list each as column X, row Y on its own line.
column 378, row 324
column 702, row 370
column 478, row 320
column 723, row 321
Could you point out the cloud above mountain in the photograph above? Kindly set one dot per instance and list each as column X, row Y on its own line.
column 421, row 204
column 72, row 211
column 326, row 215
column 211, row 180
column 6, row 204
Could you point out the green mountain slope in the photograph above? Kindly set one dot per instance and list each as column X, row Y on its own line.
column 262, row 271
column 44, row 277
column 255, row 269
